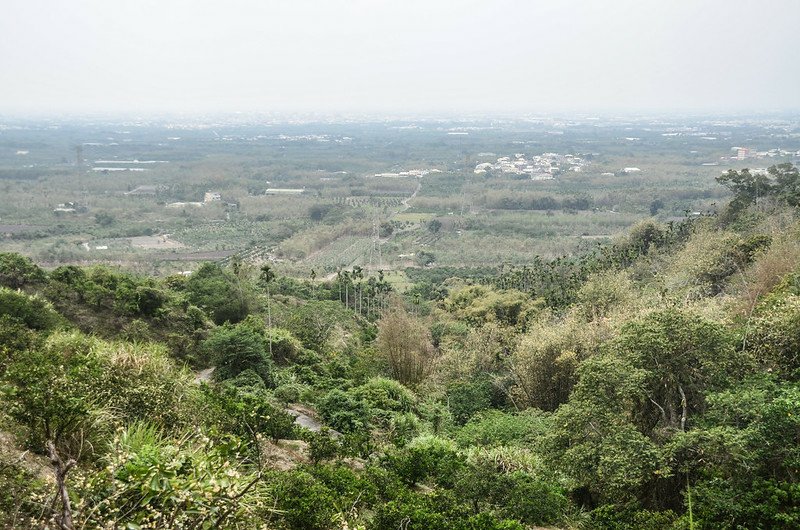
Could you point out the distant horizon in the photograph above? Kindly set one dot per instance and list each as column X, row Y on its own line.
column 365, row 116
column 420, row 57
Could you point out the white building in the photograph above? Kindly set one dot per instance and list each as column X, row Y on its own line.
column 212, row 196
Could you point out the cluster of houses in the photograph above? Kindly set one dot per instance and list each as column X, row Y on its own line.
column 538, row 167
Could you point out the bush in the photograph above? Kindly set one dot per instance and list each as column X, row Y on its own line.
column 760, row 503
column 51, row 390
column 220, row 293
column 238, row 348
column 322, row 446
column 385, row 394
column 630, row 517
column 18, row 271
column 32, row 311
column 403, row 427
column 317, row 323
column 602, row 293
column 141, row 382
column 426, row 457
column 248, row 412
column 75, row 388
column 467, row 398
column 285, row 348
column 495, row 428
column 343, row 412
column 479, row 304
column 304, row 502
column 289, row 392
column 516, row 494
column 775, row 336
column 20, row 496
column 531, row 500
column 152, row 481
column 437, row 511
column 247, row 380
column 15, row 338
column 72, row 277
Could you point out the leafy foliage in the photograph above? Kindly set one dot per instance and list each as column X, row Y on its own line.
column 152, row 481
column 219, row 291
column 18, row 271
column 235, row 349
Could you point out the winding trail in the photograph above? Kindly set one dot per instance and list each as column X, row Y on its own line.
column 303, row 419
column 405, row 202
column 303, row 416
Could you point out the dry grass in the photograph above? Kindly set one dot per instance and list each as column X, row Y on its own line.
column 781, row 258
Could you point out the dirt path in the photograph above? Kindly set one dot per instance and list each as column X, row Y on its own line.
column 405, row 202
column 203, row 376
column 303, row 419
column 303, row 416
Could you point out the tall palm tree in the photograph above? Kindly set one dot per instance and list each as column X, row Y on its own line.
column 358, row 275
column 346, row 279
column 371, row 292
column 266, row 277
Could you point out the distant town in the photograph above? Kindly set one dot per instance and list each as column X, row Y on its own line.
column 538, row 167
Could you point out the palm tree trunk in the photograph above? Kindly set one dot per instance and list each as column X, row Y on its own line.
column 269, row 320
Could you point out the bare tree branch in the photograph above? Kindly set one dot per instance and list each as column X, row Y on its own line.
column 685, row 408
column 61, row 469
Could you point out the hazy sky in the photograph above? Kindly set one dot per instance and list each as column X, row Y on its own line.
column 139, row 56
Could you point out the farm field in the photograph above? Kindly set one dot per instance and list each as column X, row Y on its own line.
column 380, row 195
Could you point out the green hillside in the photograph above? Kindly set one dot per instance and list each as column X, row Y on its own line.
column 651, row 381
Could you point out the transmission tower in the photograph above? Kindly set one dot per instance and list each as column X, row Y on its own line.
column 375, row 247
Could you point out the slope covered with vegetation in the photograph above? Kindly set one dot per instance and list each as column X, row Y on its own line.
column 650, row 383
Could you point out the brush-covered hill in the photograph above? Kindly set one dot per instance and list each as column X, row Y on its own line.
column 651, row 383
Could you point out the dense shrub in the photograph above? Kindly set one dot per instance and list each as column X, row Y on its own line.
column 219, row 292
column 515, row 494
column 466, row 398
column 630, row 517
column 317, row 497
column 385, row 394
column 757, row 503
column 32, row 311
column 234, row 349
column 438, row 511
column 74, row 389
column 153, row 481
column 18, row 271
column 20, row 495
column 775, row 335
column 343, row 412
column 248, row 412
column 284, row 347
column 492, row 427
column 426, row 457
